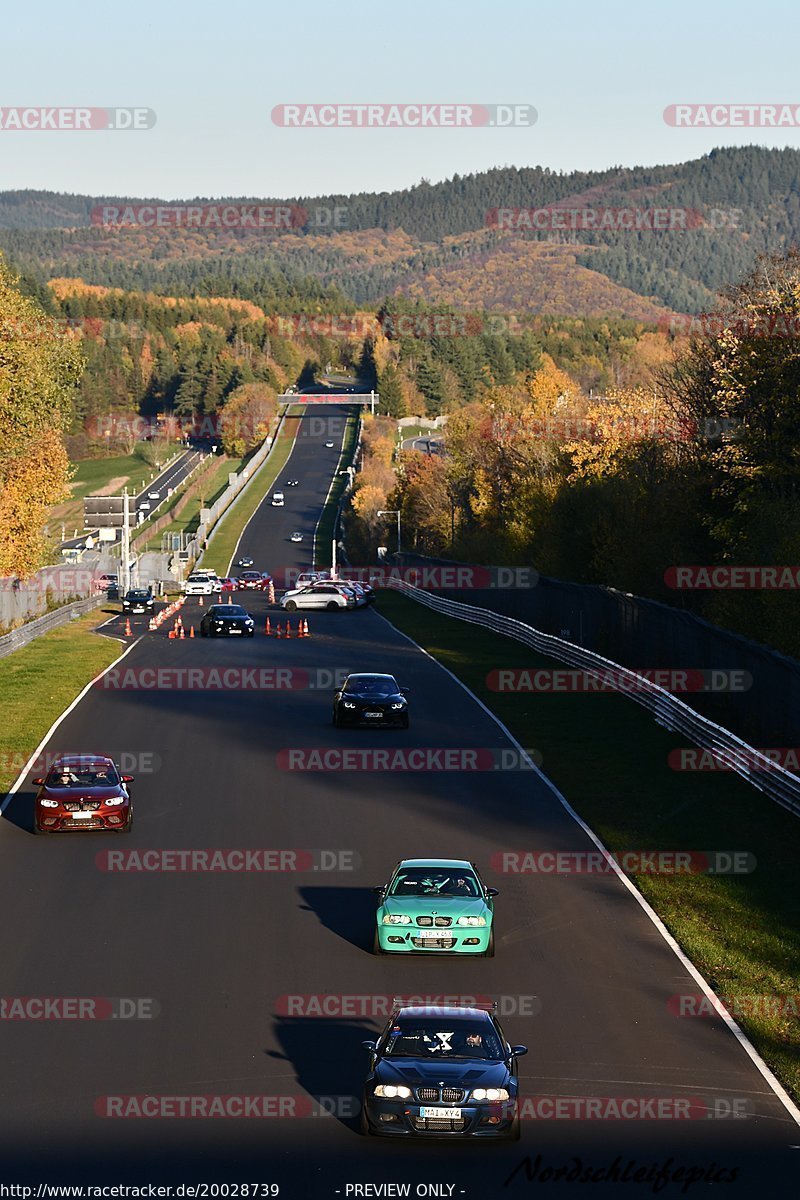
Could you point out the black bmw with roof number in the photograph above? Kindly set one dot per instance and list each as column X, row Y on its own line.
column 439, row 1072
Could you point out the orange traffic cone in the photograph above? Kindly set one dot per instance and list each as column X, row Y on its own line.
column 200, row 598
column 268, row 628
column 127, row 627
column 271, row 592
column 288, row 630
column 152, row 624
column 191, row 631
column 181, row 635
column 305, row 627
column 230, row 600
column 171, row 634
column 278, row 630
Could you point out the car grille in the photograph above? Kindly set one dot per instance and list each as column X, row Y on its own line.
column 94, row 824
column 441, row 1125
column 447, row 1095
column 77, row 806
column 442, row 943
column 439, row 922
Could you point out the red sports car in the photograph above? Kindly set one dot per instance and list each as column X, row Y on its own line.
column 227, row 585
column 83, row 791
column 259, row 580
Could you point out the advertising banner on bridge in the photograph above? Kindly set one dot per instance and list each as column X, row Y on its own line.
column 329, row 398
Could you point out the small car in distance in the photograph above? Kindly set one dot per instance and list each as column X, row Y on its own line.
column 435, row 906
column 107, row 583
column 370, row 699
column 278, row 500
column 83, row 791
column 138, row 600
column 437, row 1071
column 245, row 562
column 292, row 482
column 220, row 620
column 200, row 585
column 227, row 584
column 296, row 536
column 153, row 496
column 329, row 445
column 258, row 580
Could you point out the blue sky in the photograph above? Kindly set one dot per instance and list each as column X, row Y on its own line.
column 599, row 74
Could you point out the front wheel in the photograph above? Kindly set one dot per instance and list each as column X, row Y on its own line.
column 489, row 951
column 332, row 606
column 363, row 1124
column 203, row 632
column 128, row 826
column 404, row 723
column 290, row 606
column 377, row 948
column 514, row 1132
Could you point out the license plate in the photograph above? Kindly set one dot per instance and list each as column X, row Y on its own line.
column 429, row 933
column 82, row 816
column 234, row 631
column 366, row 714
column 446, row 1114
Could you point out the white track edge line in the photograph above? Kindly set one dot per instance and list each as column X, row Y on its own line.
column 74, row 704
column 738, row 1033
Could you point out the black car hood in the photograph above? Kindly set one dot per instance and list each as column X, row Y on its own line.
column 228, row 617
column 470, row 1073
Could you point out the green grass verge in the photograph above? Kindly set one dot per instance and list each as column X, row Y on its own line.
column 324, row 532
column 609, row 759
column 93, row 473
column 228, row 530
column 38, row 681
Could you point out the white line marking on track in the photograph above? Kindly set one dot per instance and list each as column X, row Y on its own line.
column 741, row 1037
column 18, row 781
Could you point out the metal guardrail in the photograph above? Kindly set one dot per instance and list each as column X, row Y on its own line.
column 59, row 616
column 730, row 751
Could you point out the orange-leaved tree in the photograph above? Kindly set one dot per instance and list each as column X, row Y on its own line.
column 40, row 366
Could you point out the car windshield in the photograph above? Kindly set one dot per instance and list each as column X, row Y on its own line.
column 228, row 610
column 434, row 881
column 138, row 595
column 74, row 775
column 443, row 1038
column 371, row 685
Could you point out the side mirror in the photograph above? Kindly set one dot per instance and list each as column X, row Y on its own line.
column 371, row 1046
column 127, row 778
column 404, row 691
column 492, row 892
column 518, row 1051
column 379, row 891
column 39, row 782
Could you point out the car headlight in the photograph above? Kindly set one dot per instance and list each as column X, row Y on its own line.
column 396, row 919
column 402, row 705
column 348, row 704
column 49, row 803
column 115, row 800
column 471, row 921
column 391, row 1091
column 490, row 1094
column 248, row 622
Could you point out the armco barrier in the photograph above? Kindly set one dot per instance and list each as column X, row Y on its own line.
column 59, row 616
column 750, row 764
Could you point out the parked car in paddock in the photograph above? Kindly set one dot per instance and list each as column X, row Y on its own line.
column 437, row 1071
column 370, row 699
column 200, row 585
column 325, row 595
column 435, row 906
column 83, row 791
column 138, row 600
column 226, row 620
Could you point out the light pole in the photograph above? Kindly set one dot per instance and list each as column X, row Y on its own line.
column 392, row 512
